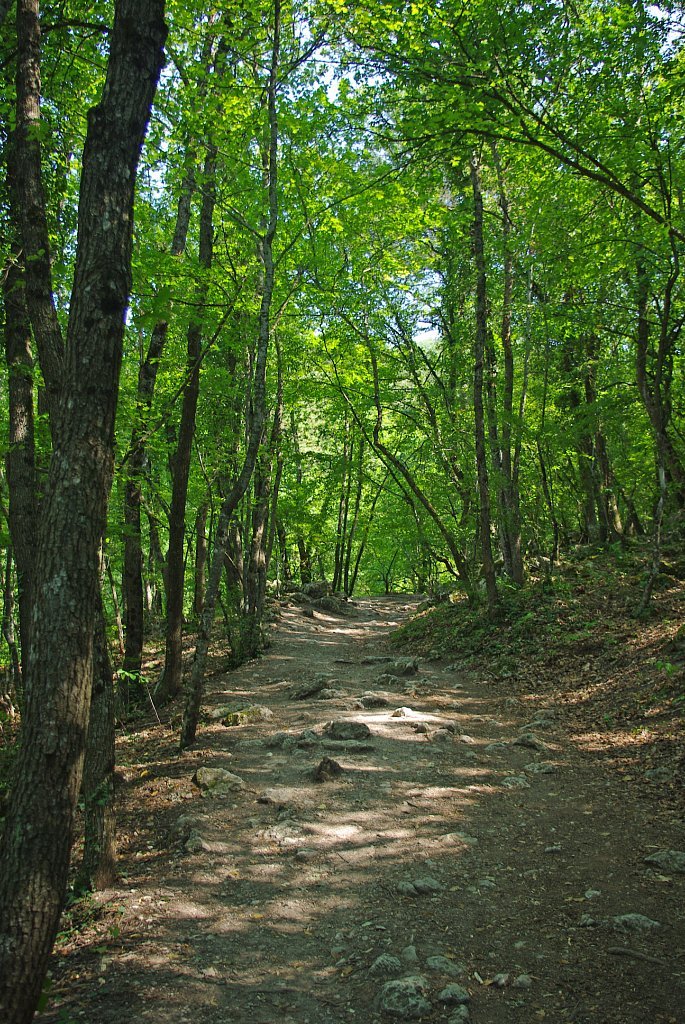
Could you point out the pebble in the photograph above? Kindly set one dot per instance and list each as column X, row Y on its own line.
column 555, row 848
column 405, row 998
column 460, row 1015
column 668, row 860
column 443, row 965
column 427, row 886
column 454, row 995
column 386, row 964
column 500, row 980
column 523, row 981
column 409, row 955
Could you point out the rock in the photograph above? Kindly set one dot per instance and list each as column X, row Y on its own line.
column 327, row 694
column 668, row 860
column 318, row 588
column 469, row 740
column 539, row 768
column 409, row 955
column 388, row 681
column 251, row 713
column 347, row 731
column 516, row 782
column 530, row 741
column 587, row 921
column 404, row 998
column 442, row 736
column 301, row 691
column 386, row 964
column 443, row 965
column 326, row 769
column 454, row 995
column 500, row 980
column 539, row 723
column 375, row 659
column 427, row 886
column 404, row 667
column 421, row 728
column 306, row 856
column 555, row 848
column 460, row 1015
column 374, row 700
column 402, row 713
column 523, row 981
column 591, row 894
column 285, row 797
column 217, row 781
column 308, row 613
column 459, row 837
column 406, row 889
column 334, row 605
column 195, row 842
column 634, row 923
column 496, row 748
column 307, row 739
column 279, row 739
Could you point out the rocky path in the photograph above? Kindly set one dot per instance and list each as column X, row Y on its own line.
column 379, row 843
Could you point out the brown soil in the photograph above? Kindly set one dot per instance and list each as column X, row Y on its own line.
column 293, row 893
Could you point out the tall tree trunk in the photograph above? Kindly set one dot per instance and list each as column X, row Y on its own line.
column 39, row 828
column 257, row 418
column 170, row 683
column 21, row 468
column 134, row 597
column 479, row 358
column 200, row 558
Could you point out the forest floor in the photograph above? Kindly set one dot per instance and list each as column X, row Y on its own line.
column 479, row 852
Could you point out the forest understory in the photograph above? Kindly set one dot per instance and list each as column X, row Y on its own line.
column 436, row 816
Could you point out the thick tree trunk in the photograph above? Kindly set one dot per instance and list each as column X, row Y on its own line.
column 479, row 357
column 98, row 865
column 39, row 828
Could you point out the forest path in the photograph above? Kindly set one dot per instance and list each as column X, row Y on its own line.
column 470, row 841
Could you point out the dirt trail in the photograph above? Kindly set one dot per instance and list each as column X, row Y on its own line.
column 492, row 866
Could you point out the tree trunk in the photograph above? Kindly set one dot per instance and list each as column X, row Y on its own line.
column 479, row 357
column 98, row 865
column 257, row 418
column 170, row 683
column 200, row 558
column 39, row 828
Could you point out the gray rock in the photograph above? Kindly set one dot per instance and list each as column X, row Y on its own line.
column 409, row 955
column 442, row 736
column 634, row 923
column 406, row 889
column 443, row 965
column 523, row 981
column 388, row 681
column 307, row 739
column 420, row 727
column 500, row 980
column 245, row 715
column 217, row 781
column 195, row 842
column 347, row 731
column 386, row 964
column 555, row 848
column 539, row 768
column 374, row 700
column 306, row 856
column 530, row 741
column 454, row 995
column 496, row 748
column 404, row 667
column 427, row 886
column 467, row 739
column 327, row 769
column 668, row 860
column 587, row 921
column 404, row 998
column 516, row 782
column 460, row 1015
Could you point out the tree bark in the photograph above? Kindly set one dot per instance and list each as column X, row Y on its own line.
column 479, row 357
column 170, row 683
column 38, row 834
